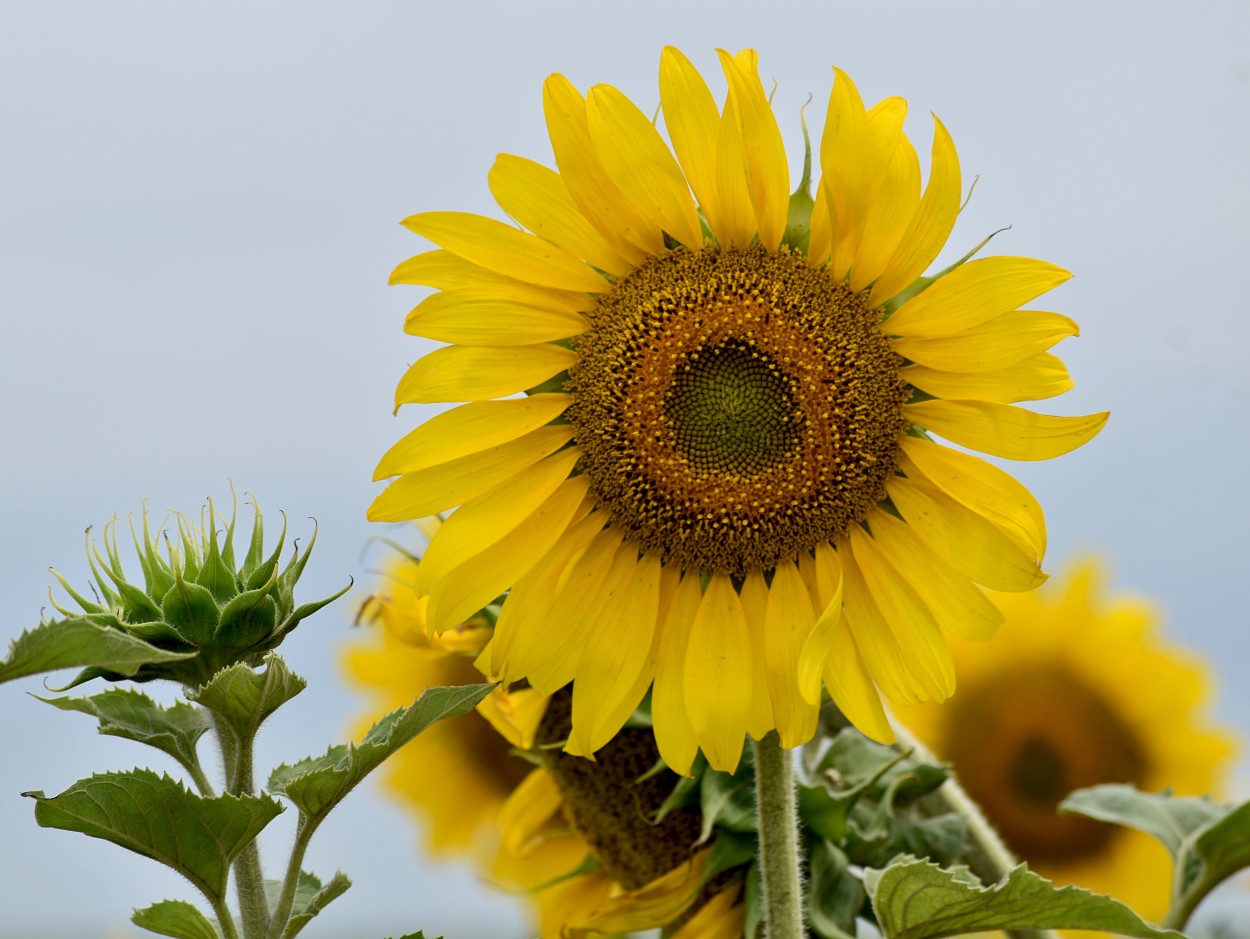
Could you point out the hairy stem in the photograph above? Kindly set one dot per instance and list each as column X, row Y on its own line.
column 249, row 878
column 282, row 912
column 777, row 814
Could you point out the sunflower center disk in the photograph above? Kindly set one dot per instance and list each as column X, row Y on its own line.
column 735, row 407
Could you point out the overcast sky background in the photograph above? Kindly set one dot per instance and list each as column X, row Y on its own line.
column 199, row 208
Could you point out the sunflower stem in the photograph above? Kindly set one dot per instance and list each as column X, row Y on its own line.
column 988, row 855
column 776, row 806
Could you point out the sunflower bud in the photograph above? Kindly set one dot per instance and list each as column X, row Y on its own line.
column 195, row 599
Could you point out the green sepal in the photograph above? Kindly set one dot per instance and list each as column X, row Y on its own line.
column 834, row 895
column 315, row 785
column 157, row 816
column 730, row 849
column 79, row 641
column 123, row 712
column 248, row 620
column 176, row 918
column 213, row 574
column 916, row 899
column 243, row 698
column 191, row 609
column 310, row 898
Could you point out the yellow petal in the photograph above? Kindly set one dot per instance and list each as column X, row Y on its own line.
column 958, row 605
column 476, row 373
column 482, row 521
column 618, row 658
column 732, row 215
column 515, row 715
column 830, row 597
column 1042, row 376
column 521, row 619
column 693, row 122
column 537, row 198
column 481, row 578
column 721, row 917
column 1004, row 429
column 469, row 428
column 446, row 271
column 635, row 157
column 980, row 486
column 499, row 247
column 717, row 675
column 651, row 906
column 442, row 487
column 788, row 623
column 824, row 226
column 882, row 656
column 896, row 195
column 974, row 293
column 927, row 658
column 968, row 541
column 674, row 735
column 852, row 689
column 929, row 227
column 468, row 318
column 767, row 170
column 1002, row 342
column 527, row 811
column 596, row 196
column 845, row 169
column 754, row 597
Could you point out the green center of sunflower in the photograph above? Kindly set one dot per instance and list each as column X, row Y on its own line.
column 735, row 407
column 1024, row 740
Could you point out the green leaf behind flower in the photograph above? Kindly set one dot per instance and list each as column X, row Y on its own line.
column 916, row 899
column 175, row 918
column 157, row 816
column 77, row 641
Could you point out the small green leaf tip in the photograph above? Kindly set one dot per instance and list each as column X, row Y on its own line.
column 197, row 609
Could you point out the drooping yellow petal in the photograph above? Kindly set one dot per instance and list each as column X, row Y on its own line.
column 596, row 196
column 525, row 815
column 477, row 373
column 929, row 227
column 511, row 252
column 639, row 162
column 447, row 485
column 827, row 566
column 968, row 541
column 1001, row 343
column 980, row 486
column 958, row 605
column 486, row 575
column 845, row 169
column 1042, row 376
column 618, row 646
column 693, row 122
column 882, row 656
column 521, row 619
column 1004, row 429
column 537, row 198
column 482, row 521
column 852, row 689
column 674, row 735
column 717, row 675
column 927, row 659
column 656, row 904
column 767, row 169
column 721, row 917
column 467, row 429
column 974, row 293
column 468, row 318
column 788, row 622
column 754, row 597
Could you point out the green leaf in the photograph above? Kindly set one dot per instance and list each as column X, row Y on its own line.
column 175, row 918
column 1223, row 846
column 728, row 802
column 77, row 641
column 1168, row 818
column 157, row 817
column 123, row 712
column 243, row 697
column 415, row 935
column 834, row 895
column 916, row 899
column 311, row 898
column 316, row 784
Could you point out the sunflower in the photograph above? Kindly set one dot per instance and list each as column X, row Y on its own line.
column 458, row 774
column 1077, row 690
column 721, row 480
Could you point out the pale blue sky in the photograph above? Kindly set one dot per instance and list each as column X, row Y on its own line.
column 198, row 214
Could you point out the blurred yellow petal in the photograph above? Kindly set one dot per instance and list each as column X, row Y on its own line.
column 1005, row 430
column 528, row 810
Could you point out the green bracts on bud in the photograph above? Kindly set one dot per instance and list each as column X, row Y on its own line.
column 196, row 601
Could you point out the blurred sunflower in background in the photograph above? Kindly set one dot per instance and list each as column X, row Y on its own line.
column 1077, row 689
column 720, row 479
column 579, row 839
